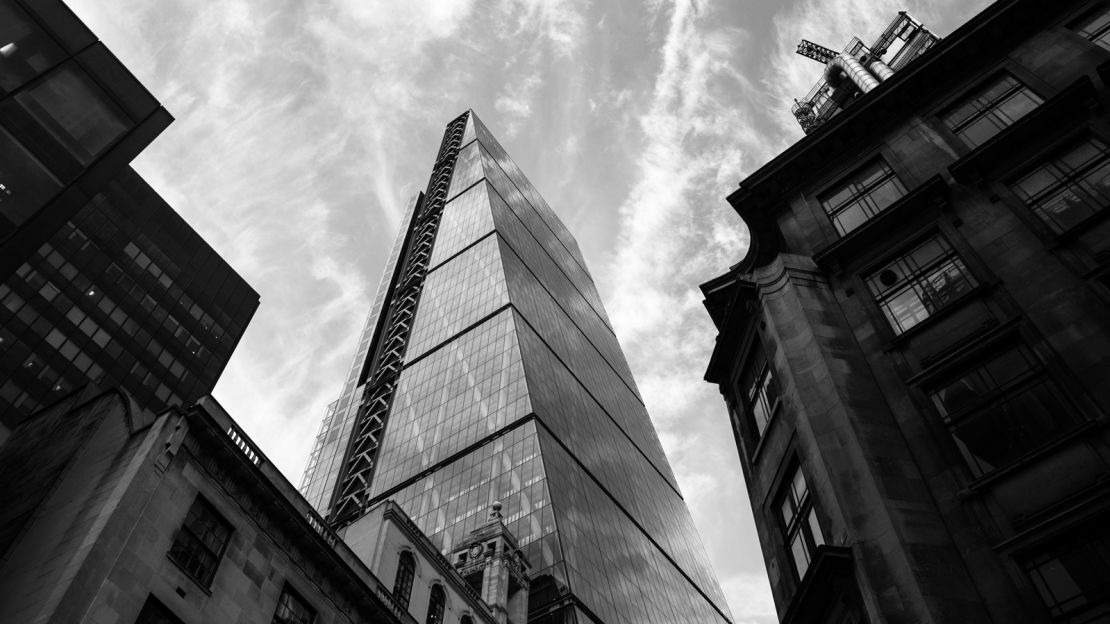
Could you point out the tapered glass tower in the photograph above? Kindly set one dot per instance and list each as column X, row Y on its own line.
column 486, row 371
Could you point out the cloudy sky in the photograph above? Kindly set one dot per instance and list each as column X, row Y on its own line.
column 303, row 127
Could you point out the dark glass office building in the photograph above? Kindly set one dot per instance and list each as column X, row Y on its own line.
column 488, row 370
column 100, row 280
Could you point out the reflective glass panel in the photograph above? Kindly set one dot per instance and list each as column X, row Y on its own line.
column 919, row 283
column 865, row 193
column 25, row 49
column 75, row 111
column 1071, row 187
column 990, row 109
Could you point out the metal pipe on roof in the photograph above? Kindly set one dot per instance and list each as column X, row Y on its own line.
column 881, row 70
column 845, row 64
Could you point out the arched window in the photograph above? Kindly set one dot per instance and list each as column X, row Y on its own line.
column 436, row 605
column 402, row 586
column 466, row 619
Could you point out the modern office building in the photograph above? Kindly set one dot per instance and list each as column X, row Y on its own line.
column 915, row 349
column 488, row 371
column 100, row 280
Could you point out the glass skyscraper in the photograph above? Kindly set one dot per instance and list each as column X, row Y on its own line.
column 487, row 370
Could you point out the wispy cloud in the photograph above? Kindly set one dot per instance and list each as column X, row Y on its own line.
column 303, row 128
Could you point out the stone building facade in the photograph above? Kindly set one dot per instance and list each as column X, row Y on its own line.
column 114, row 515
column 915, row 349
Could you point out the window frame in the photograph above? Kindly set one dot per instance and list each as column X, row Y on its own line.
column 1039, row 373
column 437, row 604
column 761, row 383
column 1068, row 540
column 862, row 197
column 917, row 280
column 803, row 521
column 287, row 591
column 1089, row 14
column 398, row 578
column 186, row 532
column 1048, row 158
column 972, row 91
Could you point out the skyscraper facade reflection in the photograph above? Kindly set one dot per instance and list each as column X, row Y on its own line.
column 488, row 370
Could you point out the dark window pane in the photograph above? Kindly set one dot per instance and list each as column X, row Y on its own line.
column 866, row 193
column 1002, row 409
column 292, row 609
column 25, row 184
column 801, row 530
column 990, row 109
column 1073, row 578
column 436, row 604
column 75, row 111
column 1070, row 187
column 200, row 542
column 402, row 585
column 25, row 49
column 916, row 285
column 1095, row 27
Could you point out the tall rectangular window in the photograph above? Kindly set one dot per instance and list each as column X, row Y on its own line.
column 1095, row 26
column 1069, row 187
column 200, row 542
column 1003, row 408
column 864, row 194
column 799, row 520
column 761, row 392
column 1073, row 578
column 990, row 109
column 292, row 609
column 919, row 282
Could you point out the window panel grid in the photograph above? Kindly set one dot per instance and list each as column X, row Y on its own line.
column 919, row 283
column 865, row 194
column 990, row 109
column 1070, row 187
column 456, row 295
column 466, row 390
column 292, row 609
column 200, row 542
column 1072, row 579
column 1095, row 27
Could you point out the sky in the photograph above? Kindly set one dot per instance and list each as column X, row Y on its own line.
column 302, row 129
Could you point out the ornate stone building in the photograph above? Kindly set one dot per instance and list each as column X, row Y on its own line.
column 915, row 349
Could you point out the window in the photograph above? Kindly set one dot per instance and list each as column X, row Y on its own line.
column 154, row 612
column 761, row 392
column 75, row 111
column 1002, row 408
column 292, row 609
column 25, row 184
column 1073, row 578
column 25, row 49
column 990, row 109
column 200, row 542
column 436, row 604
column 865, row 193
column 1095, row 26
column 1070, row 187
column 402, row 585
column 920, row 282
column 466, row 619
column 799, row 521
